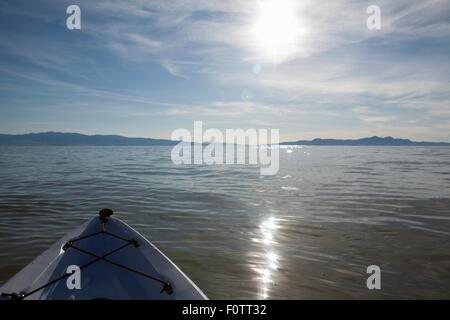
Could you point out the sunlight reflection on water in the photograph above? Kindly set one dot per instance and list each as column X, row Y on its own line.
column 270, row 263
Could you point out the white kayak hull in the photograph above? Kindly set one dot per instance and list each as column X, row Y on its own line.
column 132, row 272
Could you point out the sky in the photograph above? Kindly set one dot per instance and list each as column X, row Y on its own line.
column 143, row 68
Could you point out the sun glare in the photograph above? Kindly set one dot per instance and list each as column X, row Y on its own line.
column 277, row 29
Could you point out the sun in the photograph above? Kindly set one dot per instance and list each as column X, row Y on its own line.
column 277, row 29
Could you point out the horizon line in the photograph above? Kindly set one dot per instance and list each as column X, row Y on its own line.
column 281, row 142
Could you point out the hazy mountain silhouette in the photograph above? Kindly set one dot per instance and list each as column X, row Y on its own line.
column 77, row 139
column 372, row 141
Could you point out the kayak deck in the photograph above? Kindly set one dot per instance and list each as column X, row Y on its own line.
column 116, row 263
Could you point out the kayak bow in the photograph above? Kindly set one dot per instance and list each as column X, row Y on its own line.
column 113, row 261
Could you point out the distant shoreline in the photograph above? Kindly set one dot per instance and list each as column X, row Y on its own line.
column 372, row 141
column 77, row 139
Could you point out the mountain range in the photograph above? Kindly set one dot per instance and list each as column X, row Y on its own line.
column 77, row 139
column 371, row 141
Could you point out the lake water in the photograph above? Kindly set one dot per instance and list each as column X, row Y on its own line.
column 308, row 232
